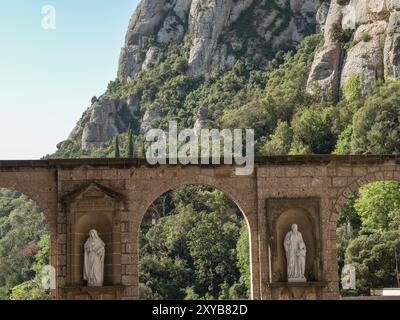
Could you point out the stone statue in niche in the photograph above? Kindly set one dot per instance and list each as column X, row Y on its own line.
column 93, row 269
column 296, row 251
column 349, row 277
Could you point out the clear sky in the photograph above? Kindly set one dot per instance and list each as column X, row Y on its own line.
column 48, row 77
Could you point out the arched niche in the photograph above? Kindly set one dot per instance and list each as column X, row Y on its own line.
column 281, row 215
column 93, row 207
column 102, row 223
column 302, row 218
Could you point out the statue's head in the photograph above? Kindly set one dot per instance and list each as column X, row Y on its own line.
column 294, row 227
column 93, row 234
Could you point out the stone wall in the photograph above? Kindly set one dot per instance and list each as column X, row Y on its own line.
column 328, row 180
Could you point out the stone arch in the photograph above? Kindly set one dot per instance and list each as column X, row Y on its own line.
column 245, row 207
column 40, row 187
column 346, row 192
column 36, row 190
column 354, row 183
column 355, row 177
column 40, row 200
column 248, row 210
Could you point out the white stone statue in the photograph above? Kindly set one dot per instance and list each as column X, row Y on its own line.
column 296, row 251
column 301, row 261
column 93, row 269
column 349, row 277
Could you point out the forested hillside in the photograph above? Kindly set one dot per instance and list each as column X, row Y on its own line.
column 24, row 247
column 272, row 100
column 194, row 244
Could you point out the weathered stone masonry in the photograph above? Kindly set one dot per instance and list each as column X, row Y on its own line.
column 114, row 194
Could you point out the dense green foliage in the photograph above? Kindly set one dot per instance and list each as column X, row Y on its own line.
column 369, row 233
column 24, row 246
column 374, row 259
column 33, row 289
column 376, row 124
column 197, row 248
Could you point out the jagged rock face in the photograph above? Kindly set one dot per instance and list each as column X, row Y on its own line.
column 104, row 119
column 201, row 120
column 372, row 53
column 208, row 22
column 220, row 30
column 149, row 116
column 151, row 21
column 321, row 16
column 392, row 44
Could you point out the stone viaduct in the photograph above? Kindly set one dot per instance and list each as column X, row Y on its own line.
column 112, row 195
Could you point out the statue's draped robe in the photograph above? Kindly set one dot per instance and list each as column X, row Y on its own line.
column 301, row 261
column 93, row 270
column 291, row 244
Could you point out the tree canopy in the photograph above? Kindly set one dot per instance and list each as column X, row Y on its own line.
column 198, row 249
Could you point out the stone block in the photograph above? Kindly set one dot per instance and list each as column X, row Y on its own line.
column 94, row 174
column 359, row 171
column 109, row 174
column 62, row 239
column 344, row 171
column 321, row 171
column 339, row 181
column 128, row 259
column 125, row 227
column 128, row 280
column 292, row 172
column 332, row 171
column 317, row 183
column 277, row 172
column 307, row 171
column 389, row 175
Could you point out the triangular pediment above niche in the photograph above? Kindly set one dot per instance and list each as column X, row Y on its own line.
column 92, row 190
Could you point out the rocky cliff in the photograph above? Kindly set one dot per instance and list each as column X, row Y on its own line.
column 218, row 33
column 362, row 41
column 220, row 30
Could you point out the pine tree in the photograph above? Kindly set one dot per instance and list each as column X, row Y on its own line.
column 130, row 142
column 116, row 150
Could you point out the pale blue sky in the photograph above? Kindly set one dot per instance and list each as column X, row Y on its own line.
column 47, row 77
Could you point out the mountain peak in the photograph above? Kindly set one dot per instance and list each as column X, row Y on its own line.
column 215, row 34
column 220, row 31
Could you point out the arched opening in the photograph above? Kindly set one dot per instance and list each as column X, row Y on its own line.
column 368, row 240
column 24, row 248
column 194, row 244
